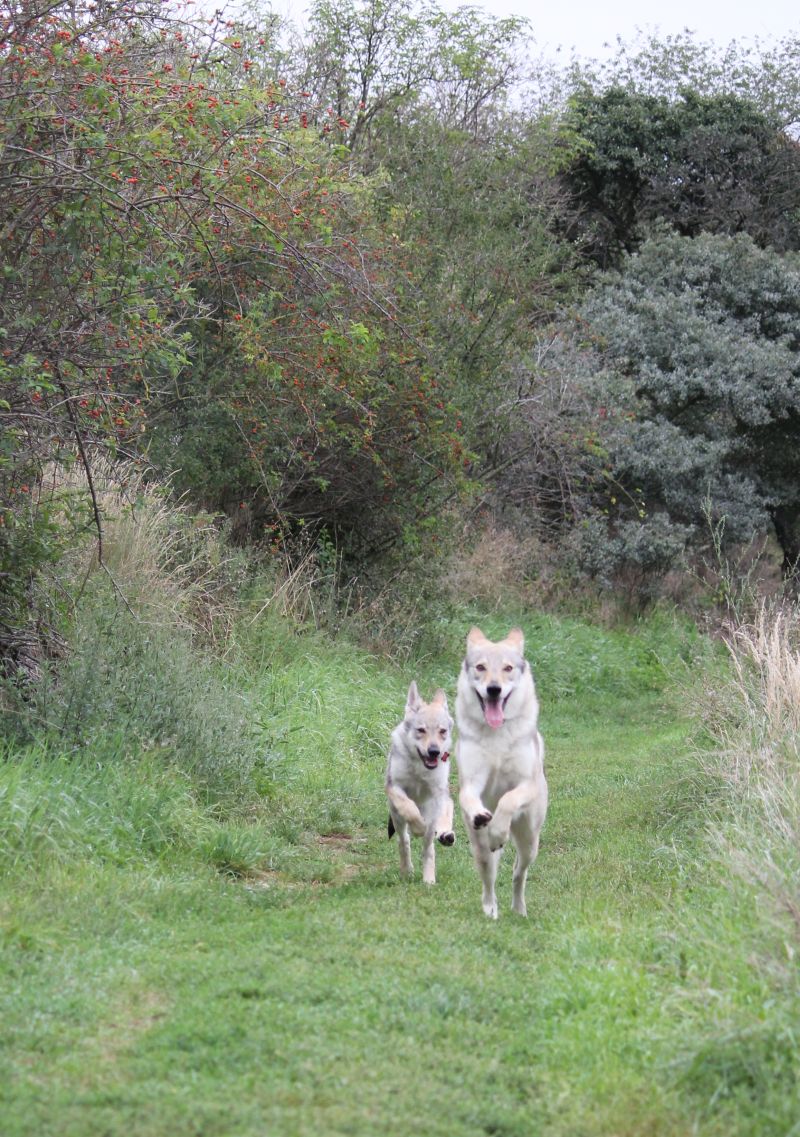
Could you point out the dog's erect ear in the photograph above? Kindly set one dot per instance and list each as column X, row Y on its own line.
column 475, row 638
column 440, row 697
column 413, row 702
column 516, row 638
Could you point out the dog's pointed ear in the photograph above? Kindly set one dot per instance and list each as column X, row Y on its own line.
column 517, row 640
column 440, row 697
column 413, row 701
column 475, row 637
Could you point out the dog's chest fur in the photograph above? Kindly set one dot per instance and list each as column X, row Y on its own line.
column 504, row 754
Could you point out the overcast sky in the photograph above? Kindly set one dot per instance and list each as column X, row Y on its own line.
column 586, row 25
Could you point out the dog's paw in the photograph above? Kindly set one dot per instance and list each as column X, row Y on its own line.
column 417, row 828
column 447, row 838
column 482, row 818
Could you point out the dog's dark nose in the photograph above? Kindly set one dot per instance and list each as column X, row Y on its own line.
column 433, row 751
column 494, row 692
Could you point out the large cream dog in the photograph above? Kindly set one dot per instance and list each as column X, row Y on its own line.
column 417, row 780
column 500, row 755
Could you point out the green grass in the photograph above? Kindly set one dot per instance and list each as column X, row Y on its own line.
column 168, row 971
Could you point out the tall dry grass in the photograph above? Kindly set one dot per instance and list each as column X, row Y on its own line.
column 167, row 563
column 756, row 724
column 766, row 658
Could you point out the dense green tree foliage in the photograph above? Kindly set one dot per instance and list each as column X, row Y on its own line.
column 704, row 163
column 462, row 180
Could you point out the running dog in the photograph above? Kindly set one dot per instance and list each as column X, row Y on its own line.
column 500, row 757
column 417, row 780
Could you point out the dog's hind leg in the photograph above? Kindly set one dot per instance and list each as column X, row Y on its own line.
column 486, row 863
column 429, row 858
column 525, row 833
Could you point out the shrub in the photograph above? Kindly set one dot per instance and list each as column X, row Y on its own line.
column 696, row 385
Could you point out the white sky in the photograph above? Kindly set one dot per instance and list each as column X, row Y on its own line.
column 586, row 25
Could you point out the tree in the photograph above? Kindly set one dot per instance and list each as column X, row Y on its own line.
column 96, row 235
column 764, row 72
column 464, row 183
column 479, row 215
column 370, row 62
column 190, row 270
column 703, row 163
column 698, row 380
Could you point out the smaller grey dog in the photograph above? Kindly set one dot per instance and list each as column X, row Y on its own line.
column 417, row 780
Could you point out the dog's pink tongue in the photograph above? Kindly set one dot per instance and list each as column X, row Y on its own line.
column 493, row 713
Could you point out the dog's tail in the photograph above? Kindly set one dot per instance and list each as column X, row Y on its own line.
column 390, row 827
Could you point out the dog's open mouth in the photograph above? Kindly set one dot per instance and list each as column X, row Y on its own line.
column 493, row 710
column 431, row 761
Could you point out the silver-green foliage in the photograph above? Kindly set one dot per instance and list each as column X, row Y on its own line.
column 699, row 375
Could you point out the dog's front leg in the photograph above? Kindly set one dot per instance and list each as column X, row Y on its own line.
column 525, row 831
column 444, row 824
column 475, row 812
column 510, row 805
column 486, row 863
column 407, row 809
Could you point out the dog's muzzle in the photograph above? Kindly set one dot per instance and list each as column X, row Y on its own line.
column 493, row 706
column 432, row 758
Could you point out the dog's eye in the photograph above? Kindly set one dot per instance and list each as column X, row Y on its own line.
column 420, row 731
column 508, row 668
column 442, row 732
column 480, row 667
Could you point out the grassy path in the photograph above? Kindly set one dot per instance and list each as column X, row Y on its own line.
column 325, row 996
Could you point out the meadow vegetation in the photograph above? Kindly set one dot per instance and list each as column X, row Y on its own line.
column 203, row 924
column 317, row 348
